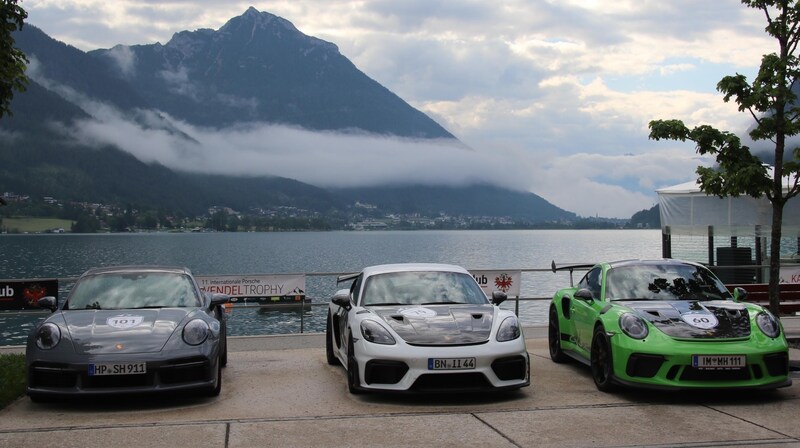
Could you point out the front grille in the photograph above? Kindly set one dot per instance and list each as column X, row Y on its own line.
column 645, row 366
column 384, row 372
column 117, row 381
column 185, row 371
column 451, row 381
column 51, row 375
column 511, row 368
column 693, row 374
column 777, row 364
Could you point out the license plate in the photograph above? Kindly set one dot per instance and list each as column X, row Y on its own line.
column 122, row 368
column 451, row 363
column 719, row 362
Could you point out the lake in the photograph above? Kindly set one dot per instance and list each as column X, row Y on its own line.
column 68, row 255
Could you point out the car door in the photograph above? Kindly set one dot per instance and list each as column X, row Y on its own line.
column 584, row 311
column 342, row 317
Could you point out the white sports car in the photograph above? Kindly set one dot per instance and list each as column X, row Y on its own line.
column 424, row 327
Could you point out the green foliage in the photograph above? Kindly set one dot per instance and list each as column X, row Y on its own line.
column 773, row 105
column 12, row 59
column 12, row 377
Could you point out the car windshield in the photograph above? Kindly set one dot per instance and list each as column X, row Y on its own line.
column 664, row 282
column 133, row 290
column 422, row 288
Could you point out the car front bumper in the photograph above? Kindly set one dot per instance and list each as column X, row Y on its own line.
column 405, row 368
column 165, row 372
column 670, row 366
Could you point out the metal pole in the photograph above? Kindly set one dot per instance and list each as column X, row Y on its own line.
column 711, row 245
column 516, row 307
column 302, row 312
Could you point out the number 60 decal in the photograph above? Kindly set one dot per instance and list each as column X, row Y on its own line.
column 703, row 321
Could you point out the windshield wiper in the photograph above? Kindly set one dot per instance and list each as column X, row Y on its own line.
column 443, row 303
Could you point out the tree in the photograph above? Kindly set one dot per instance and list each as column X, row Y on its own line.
column 12, row 59
column 774, row 108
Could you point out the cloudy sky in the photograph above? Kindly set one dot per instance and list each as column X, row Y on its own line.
column 557, row 92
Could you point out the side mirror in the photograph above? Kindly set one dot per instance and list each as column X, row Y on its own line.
column 739, row 294
column 498, row 297
column 48, row 303
column 343, row 300
column 218, row 299
column 583, row 294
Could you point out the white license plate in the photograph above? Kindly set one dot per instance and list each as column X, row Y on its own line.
column 719, row 361
column 120, row 368
column 451, row 363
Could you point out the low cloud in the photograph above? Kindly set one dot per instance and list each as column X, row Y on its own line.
column 588, row 184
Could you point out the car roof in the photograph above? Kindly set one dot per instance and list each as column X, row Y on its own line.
column 412, row 267
column 138, row 268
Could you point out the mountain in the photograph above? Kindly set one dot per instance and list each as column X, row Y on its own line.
column 647, row 219
column 257, row 68
column 474, row 200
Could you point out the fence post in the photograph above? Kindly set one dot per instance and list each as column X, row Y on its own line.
column 302, row 312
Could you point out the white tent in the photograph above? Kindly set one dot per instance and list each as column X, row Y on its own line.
column 685, row 210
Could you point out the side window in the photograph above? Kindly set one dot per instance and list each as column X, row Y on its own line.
column 355, row 289
column 591, row 281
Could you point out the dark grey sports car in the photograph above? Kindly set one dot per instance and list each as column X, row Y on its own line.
column 129, row 329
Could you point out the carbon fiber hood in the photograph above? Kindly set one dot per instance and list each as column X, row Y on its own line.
column 122, row 331
column 440, row 324
column 685, row 319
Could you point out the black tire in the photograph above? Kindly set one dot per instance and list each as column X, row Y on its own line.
column 353, row 382
column 331, row 357
column 223, row 357
column 554, row 338
column 214, row 391
column 602, row 363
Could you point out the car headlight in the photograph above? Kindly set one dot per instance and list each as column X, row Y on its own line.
column 633, row 325
column 48, row 336
column 195, row 332
column 509, row 329
column 768, row 324
column 374, row 332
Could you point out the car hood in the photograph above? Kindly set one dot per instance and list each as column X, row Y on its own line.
column 122, row 331
column 440, row 324
column 687, row 319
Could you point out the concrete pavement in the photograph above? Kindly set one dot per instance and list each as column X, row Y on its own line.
column 279, row 391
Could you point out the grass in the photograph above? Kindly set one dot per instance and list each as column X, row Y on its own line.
column 12, row 378
column 33, row 225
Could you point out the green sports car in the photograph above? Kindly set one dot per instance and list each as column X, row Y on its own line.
column 665, row 324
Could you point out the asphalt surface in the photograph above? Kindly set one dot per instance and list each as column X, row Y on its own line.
column 279, row 391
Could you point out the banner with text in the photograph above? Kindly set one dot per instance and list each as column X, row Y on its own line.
column 264, row 287
column 505, row 281
column 790, row 274
column 22, row 295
